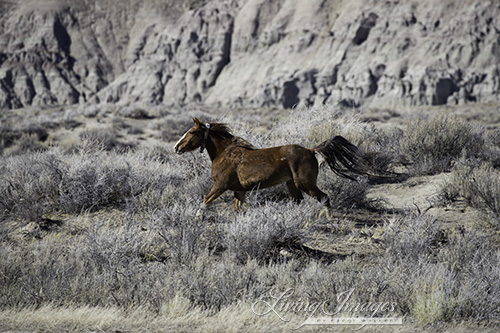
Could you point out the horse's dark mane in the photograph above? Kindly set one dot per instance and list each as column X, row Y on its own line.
column 240, row 142
column 224, row 131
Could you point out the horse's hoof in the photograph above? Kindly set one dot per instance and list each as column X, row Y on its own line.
column 325, row 211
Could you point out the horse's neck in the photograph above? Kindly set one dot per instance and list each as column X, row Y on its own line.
column 216, row 145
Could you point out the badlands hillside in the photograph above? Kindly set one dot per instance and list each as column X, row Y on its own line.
column 249, row 53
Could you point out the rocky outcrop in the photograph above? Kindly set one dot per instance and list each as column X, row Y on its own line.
column 372, row 52
column 176, row 62
column 249, row 53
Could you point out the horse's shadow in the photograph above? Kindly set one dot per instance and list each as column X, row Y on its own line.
column 388, row 179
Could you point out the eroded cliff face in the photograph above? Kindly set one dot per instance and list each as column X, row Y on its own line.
column 249, row 53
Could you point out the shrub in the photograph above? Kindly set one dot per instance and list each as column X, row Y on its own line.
column 451, row 188
column 158, row 153
column 432, row 299
column 90, row 184
column 477, row 182
column 101, row 268
column 103, row 139
column 409, row 242
column 37, row 184
column 431, row 147
column 97, row 180
column 214, row 283
column 39, row 132
column 343, row 193
column 173, row 129
column 482, row 190
column 133, row 112
column 27, row 144
column 312, row 126
column 9, row 136
column 493, row 138
column 439, row 277
column 29, row 184
column 261, row 232
column 474, row 263
column 493, row 148
column 410, row 237
column 181, row 232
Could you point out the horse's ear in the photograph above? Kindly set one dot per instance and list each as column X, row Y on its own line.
column 196, row 121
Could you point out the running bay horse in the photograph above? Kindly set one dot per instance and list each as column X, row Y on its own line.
column 240, row 167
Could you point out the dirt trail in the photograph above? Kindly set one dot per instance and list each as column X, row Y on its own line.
column 422, row 194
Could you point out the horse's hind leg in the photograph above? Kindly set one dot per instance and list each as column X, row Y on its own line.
column 239, row 199
column 305, row 175
column 295, row 193
column 304, row 179
column 316, row 193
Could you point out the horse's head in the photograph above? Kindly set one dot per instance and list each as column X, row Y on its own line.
column 194, row 138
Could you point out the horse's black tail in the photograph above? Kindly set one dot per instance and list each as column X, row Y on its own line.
column 344, row 158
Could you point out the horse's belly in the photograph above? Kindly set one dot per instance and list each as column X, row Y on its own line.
column 275, row 181
column 263, row 175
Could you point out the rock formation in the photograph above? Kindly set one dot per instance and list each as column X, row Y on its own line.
column 249, row 53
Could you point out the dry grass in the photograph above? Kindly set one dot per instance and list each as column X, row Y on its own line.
column 176, row 315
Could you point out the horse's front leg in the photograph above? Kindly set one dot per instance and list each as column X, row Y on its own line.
column 214, row 193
